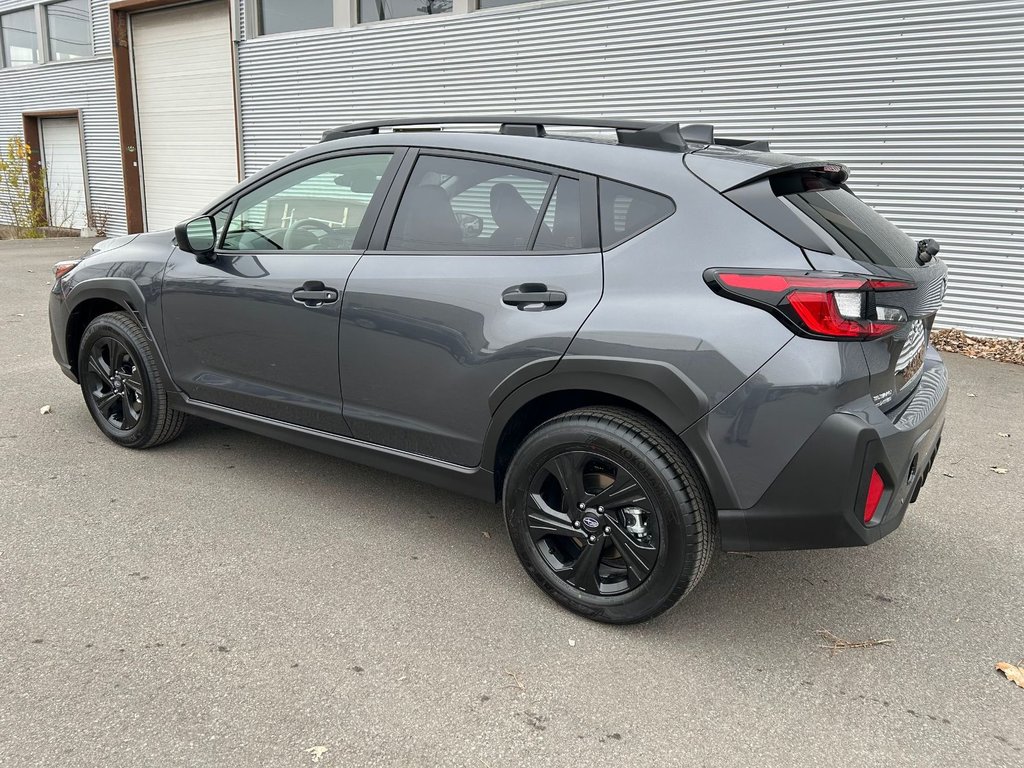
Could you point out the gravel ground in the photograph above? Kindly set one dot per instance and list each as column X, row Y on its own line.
column 227, row 600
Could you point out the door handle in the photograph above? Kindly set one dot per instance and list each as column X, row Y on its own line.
column 533, row 297
column 314, row 294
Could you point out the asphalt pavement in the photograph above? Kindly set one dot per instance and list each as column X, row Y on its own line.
column 227, row 600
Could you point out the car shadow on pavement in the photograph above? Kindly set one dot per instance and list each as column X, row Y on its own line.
column 741, row 595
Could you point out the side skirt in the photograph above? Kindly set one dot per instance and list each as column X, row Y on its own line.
column 470, row 481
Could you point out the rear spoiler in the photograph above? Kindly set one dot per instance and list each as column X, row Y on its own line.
column 728, row 166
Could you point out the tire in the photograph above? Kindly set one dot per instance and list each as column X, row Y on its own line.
column 646, row 533
column 127, row 398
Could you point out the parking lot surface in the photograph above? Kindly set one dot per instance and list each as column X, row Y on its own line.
column 227, row 600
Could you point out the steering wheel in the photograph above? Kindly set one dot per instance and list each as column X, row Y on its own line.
column 300, row 235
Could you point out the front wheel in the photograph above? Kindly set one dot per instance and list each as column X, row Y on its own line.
column 122, row 385
column 609, row 515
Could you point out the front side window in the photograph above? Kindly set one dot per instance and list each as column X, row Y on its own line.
column 626, row 211
column 20, row 39
column 317, row 207
column 68, row 30
column 378, row 10
column 452, row 204
column 289, row 16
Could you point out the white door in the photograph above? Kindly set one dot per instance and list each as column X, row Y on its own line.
column 185, row 107
column 65, row 181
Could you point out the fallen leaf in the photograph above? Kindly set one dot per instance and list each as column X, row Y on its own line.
column 1013, row 674
column 45, row 409
column 316, row 752
column 948, row 474
column 572, row 643
column 487, row 534
column 999, row 470
column 971, row 394
column 1003, row 434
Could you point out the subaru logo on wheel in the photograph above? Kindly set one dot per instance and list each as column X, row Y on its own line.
column 591, row 522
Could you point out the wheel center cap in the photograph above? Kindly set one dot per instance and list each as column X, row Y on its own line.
column 116, row 384
column 591, row 521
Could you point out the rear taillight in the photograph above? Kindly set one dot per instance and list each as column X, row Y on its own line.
column 820, row 305
column 876, row 487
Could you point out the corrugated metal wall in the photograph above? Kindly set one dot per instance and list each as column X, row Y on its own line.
column 86, row 85
column 923, row 98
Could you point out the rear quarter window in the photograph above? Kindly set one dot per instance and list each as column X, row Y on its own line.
column 626, row 211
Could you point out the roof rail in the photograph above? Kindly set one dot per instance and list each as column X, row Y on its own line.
column 667, row 137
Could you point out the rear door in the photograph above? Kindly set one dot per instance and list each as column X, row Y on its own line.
column 479, row 271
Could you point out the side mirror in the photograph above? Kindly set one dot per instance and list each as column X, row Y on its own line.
column 198, row 236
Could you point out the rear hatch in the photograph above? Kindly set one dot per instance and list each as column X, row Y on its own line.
column 809, row 203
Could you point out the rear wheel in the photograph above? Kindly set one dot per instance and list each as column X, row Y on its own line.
column 608, row 514
column 122, row 385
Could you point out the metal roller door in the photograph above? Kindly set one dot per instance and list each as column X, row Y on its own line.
column 65, row 180
column 185, row 107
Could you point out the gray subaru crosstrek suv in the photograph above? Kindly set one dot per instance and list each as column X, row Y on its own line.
column 645, row 344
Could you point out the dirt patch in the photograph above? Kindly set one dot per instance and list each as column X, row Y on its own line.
column 955, row 340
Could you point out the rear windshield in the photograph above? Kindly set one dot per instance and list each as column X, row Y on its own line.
column 855, row 224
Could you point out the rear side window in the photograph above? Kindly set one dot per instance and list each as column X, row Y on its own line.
column 849, row 219
column 452, row 204
column 626, row 211
column 563, row 228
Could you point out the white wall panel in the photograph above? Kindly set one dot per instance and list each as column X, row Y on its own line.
column 924, row 99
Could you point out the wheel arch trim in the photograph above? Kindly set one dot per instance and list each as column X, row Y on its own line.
column 654, row 386
column 127, row 294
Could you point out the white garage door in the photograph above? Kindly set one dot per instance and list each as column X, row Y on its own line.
column 184, row 97
column 65, row 181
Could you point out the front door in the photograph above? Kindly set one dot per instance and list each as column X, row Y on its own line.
column 487, row 272
column 256, row 330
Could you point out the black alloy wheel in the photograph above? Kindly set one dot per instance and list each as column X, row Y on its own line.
column 122, row 384
column 114, row 382
column 593, row 523
column 609, row 514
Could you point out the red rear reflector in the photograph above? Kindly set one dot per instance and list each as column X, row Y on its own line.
column 875, row 490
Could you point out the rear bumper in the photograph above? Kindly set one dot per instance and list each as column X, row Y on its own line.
column 818, row 499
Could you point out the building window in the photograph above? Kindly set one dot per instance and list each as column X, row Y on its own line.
column 68, row 30
column 501, row 3
column 289, row 16
column 20, row 39
column 377, row 10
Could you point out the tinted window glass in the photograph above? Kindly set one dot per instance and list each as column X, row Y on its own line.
column 626, row 211
column 376, row 10
column 289, row 16
column 562, row 230
column 848, row 218
column 318, row 207
column 453, row 204
column 18, row 31
column 67, row 26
